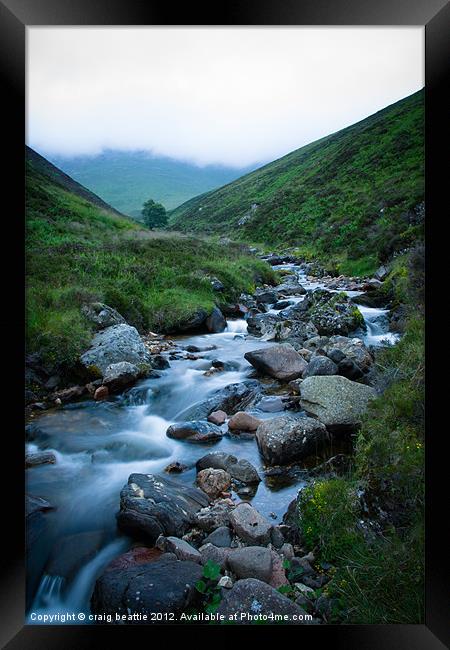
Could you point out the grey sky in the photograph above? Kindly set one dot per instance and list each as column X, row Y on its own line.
column 235, row 96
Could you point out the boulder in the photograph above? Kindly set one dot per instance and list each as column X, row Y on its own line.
column 354, row 349
column 278, row 576
column 242, row 421
column 165, row 586
column 231, row 398
column 101, row 392
column 217, row 417
column 215, row 516
column 152, row 505
column 135, row 556
column 102, row 315
column 279, row 361
column 381, row 273
column 290, row 289
column 179, row 547
column 69, row 394
column 285, row 439
column 348, row 368
column 271, row 404
column 113, row 345
column 216, row 321
column 333, row 313
column 336, row 401
column 216, row 554
column 251, row 598
column 193, row 322
column 239, row 470
column 39, row 458
column 198, row 431
column 251, row 562
column 119, row 375
column 266, row 296
column 159, row 362
column 213, row 481
column 220, row 537
column 175, row 468
column 250, row 525
column 320, row 365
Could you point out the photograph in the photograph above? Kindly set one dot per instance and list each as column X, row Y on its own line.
column 224, row 371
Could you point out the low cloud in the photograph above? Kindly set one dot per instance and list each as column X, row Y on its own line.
column 233, row 96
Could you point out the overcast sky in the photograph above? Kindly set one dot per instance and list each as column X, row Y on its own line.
column 234, row 96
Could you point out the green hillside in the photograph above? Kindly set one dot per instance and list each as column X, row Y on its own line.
column 79, row 252
column 349, row 197
column 126, row 179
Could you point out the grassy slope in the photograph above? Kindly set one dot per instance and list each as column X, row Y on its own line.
column 379, row 578
column 127, row 179
column 345, row 197
column 78, row 252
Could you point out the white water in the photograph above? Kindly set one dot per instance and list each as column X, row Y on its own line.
column 98, row 445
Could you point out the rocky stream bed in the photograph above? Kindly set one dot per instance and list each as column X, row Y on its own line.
column 191, row 451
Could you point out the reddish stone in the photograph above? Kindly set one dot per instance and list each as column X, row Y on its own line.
column 217, row 417
column 135, row 556
column 102, row 392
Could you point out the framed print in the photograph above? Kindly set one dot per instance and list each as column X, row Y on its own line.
column 227, row 261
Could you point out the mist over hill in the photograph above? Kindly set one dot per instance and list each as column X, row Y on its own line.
column 127, row 179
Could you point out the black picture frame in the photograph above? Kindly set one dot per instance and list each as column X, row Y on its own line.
column 15, row 15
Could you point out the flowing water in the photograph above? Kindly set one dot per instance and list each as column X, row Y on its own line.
column 99, row 444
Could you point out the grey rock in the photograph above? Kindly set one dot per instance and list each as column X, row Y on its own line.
column 251, row 562
column 287, row 438
column 113, row 345
column 277, row 537
column 216, row 554
column 220, row 537
column 179, row 547
column 216, row 321
column 212, row 517
column 349, row 369
column 250, row 525
column 231, row 398
column 240, row 470
column 279, row 361
column 266, row 296
column 159, row 362
column 40, row 458
column 336, row 355
column 354, row 349
column 119, row 375
column 336, row 401
column 271, row 404
column 193, row 322
column 153, row 505
column 198, row 431
column 102, row 315
column 164, row 586
column 251, row 597
column 320, row 366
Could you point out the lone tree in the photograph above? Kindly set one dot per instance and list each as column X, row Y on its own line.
column 155, row 215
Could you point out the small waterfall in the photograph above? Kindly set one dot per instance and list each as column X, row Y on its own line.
column 54, row 596
column 377, row 333
column 238, row 326
column 48, row 593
